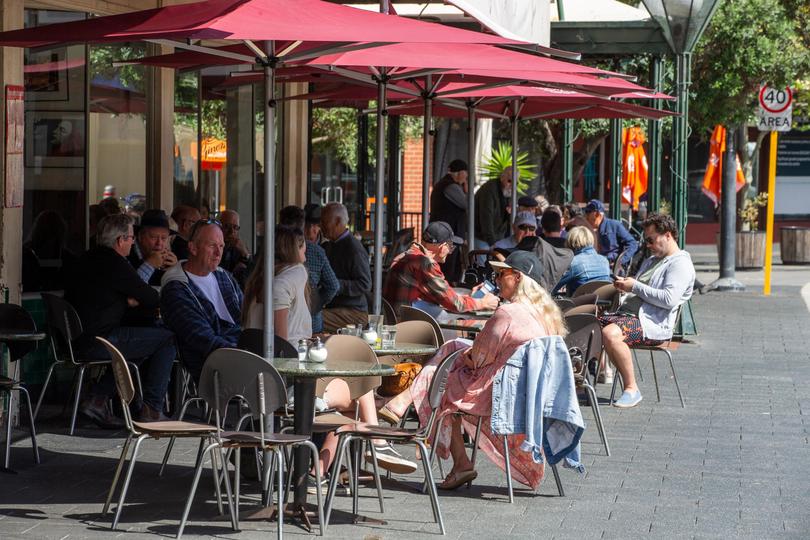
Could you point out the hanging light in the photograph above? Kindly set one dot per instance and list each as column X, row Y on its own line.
column 682, row 21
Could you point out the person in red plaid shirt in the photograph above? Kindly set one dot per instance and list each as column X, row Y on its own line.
column 415, row 274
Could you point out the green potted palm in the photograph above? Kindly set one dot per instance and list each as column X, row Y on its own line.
column 501, row 158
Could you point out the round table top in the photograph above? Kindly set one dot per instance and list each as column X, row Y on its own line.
column 416, row 349
column 465, row 325
column 22, row 336
column 329, row 368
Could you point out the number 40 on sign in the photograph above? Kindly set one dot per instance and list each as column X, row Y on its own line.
column 775, row 109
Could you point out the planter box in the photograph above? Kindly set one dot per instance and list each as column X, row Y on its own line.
column 795, row 245
column 749, row 250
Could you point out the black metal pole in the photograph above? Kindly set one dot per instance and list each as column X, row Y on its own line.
column 728, row 219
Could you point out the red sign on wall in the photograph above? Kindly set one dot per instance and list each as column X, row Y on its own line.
column 15, row 122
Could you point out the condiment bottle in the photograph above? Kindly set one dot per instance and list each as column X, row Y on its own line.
column 302, row 350
column 317, row 353
column 370, row 335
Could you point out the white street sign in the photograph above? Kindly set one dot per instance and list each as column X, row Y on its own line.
column 775, row 109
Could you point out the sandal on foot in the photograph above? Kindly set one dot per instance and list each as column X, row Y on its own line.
column 386, row 414
column 454, row 481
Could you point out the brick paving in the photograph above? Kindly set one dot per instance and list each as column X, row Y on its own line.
column 734, row 463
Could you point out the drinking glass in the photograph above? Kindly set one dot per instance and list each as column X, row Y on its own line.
column 389, row 336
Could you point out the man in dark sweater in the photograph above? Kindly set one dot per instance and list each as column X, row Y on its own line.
column 448, row 203
column 491, row 217
column 102, row 289
column 349, row 260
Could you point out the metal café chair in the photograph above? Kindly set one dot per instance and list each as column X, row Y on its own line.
column 230, row 374
column 417, row 437
column 409, row 313
column 14, row 318
column 389, row 315
column 140, row 431
column 64, row 327
column 590, row 287
column 584, row 341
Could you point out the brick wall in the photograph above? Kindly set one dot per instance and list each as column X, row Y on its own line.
column 412, row 182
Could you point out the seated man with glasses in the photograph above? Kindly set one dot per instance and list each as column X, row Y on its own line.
column 235, row 257
column 103, row 289
column 150, row 254
column 525, row 225
column 415, row 275
column 647, row 317
column 200, row 301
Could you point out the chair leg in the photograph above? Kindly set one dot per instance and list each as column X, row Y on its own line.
column 236, row 480
column 508, row 469
column 117, row 474
column 24, row 391
column 267, row 474
column 134, row 369
column 434, row 496
column 638, row 366
column 7, row 460
column 234, row 510
column 675, row 376
column 166, row 456
column 560, row 489
column 655, row 377
column 356, row 448
column 319, row 496
column 376, row 468
column 216, row 478
column 197, row 473
column 124, row 488
column 616, row 377
column 475, row 446
column 280, row 512
column 44, row 388
column 76, row 399
column 597, row 415
column 339, row 455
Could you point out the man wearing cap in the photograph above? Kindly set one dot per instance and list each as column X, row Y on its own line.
column 323, row 283
column 525, row 225
column 151, row 255
column 529, row 204
column 613, row 237
column 491, row 217
column 416, row 275
column 448, row 203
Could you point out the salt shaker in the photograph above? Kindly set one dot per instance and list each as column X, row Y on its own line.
column 302, row 350
column 317, row 353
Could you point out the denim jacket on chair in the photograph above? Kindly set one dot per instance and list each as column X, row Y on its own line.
column 534, row 394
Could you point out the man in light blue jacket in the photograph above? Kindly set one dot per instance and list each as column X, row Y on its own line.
column 647, row 317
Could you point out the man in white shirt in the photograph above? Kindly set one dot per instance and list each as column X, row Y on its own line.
column 201, row 302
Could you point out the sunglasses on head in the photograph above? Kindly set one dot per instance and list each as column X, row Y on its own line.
column 202, row 223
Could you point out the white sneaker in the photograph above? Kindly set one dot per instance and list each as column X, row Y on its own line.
column 391, row 460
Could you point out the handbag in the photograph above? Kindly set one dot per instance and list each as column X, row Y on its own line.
column 406, row 372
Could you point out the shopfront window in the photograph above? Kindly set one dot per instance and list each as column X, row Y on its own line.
column 186, row 134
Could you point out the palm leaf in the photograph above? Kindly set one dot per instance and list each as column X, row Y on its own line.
column 501, row 158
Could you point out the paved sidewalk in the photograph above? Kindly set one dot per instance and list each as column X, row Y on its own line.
column 733, row 464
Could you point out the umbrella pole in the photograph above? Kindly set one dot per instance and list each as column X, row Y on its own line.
column 471, row 176
column 514, row 161
column 380, row 193
column 426, row 147
column 269, row 198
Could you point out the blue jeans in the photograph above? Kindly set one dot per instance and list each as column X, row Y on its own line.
column 146, row 347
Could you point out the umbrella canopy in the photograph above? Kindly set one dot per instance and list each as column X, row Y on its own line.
column 255, row 20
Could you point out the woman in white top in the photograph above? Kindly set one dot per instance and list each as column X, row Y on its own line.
column 292, row 321
column 291, row 317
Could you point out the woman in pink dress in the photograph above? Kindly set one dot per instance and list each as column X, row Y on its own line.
column 529, row 313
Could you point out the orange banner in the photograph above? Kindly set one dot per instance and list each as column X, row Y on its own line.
column 635, row 170
column 713, row 178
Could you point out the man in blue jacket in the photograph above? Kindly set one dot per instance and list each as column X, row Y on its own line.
column 613, row 237
column 201, row 302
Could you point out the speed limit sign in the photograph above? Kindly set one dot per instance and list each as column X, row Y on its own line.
column 775, row 109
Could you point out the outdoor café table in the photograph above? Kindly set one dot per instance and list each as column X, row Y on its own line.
column 472, row 326
column 304, row 376
column 7, row 338
column 406, row 349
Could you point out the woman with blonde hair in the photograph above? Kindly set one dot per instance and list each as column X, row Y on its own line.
column 587, row 265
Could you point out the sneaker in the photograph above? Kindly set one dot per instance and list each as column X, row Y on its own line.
column 391, row 460
column 96, row 410
column 628, row 399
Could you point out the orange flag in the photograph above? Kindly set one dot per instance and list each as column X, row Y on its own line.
column 713, row 178
column 634, row 166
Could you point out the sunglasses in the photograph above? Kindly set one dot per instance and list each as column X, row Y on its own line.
column 202, row 223
column 527, row 228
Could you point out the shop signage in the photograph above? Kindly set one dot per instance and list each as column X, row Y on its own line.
column 15, row 137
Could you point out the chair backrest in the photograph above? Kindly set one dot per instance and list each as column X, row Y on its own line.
column 350, row 349
column 618, row 267
column 389, row 315
column 229, row 373
column 402, row 239
column 564, row 303
column 420, row 332
column 609, row 292
column 14, row 318
column 408, row 313
column 587, row 288
column 123, row 378
column 252, row 340
column 439, row 381
column 64, row 325
column 589, row 309
column 585, row 334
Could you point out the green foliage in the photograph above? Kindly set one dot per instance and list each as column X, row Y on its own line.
column 132, row 77
column 749, row 213
column 748, row 42
column 501, row 158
